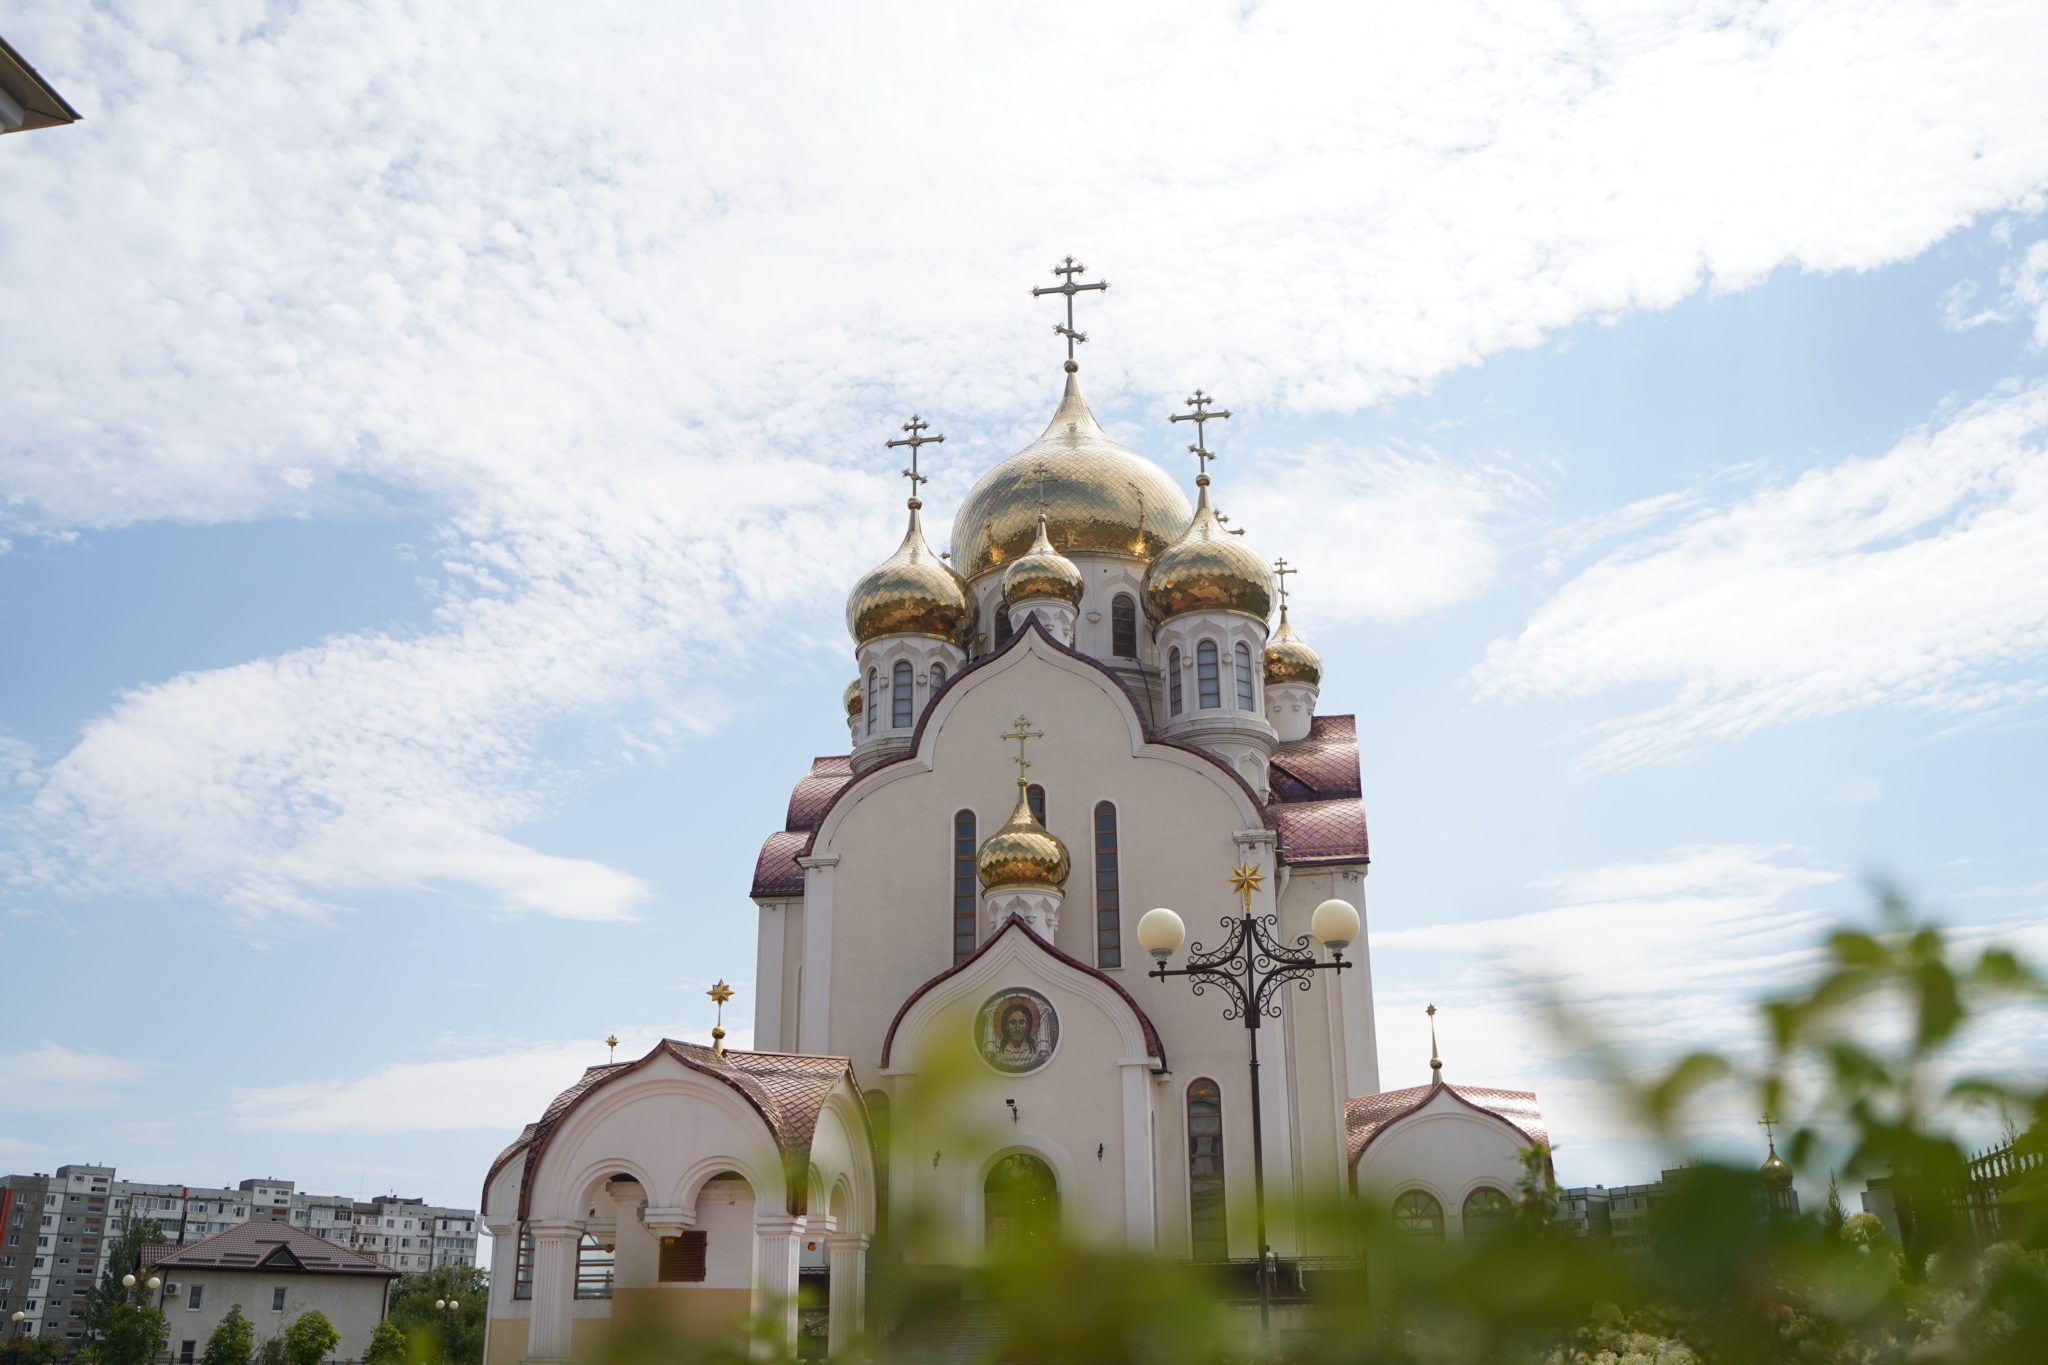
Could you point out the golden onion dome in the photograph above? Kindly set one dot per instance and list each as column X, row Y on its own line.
column 1208, row 569
column 1289, row 659
column 852, row 699
column 1022, row 853
column 1097, row 497
column 912, row 592
column 1777, row 1173
column 1042, row 572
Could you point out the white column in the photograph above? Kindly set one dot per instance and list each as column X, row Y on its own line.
column 554, row 1285
column 768, row 978
column 814, row 1016
column 779, row 1243
column 849, row 1299
column 1140, row 1225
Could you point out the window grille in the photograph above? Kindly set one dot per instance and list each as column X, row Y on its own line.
column 683, row 1258
column 1173, row 682
column 1123, row 626
column 899, row 696
column 1245, row 700
column 1208, row 1219
column 1109, row 948
column 522, row 1270
column 593, row 1269
column 964, row 887
column 1208, row 685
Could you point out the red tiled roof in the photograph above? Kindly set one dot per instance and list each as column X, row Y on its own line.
column 1154, row 1047
column 815, row 790
column 786, row 1089
column 1317, row 804
column 271, row 1247
column 1321, row 831
column 1323, row 766
column 776, row 870
column 1367, row 1116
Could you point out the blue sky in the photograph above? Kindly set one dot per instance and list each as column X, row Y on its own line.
column 430, row 487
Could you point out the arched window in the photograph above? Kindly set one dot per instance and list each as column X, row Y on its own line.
column 1208, row 686
column 1486, row 1211
column 1109, row 947
column 1244, row 678
column 938, row 678
column 1020, row 1203
column 1034, row 797
column 874, row 702
column 593, row 1269
column 1173, row 682
column 1003, row 631
column 1418, row 1214
column 1123, row 626
column 963, row 885
column 900, row 710
column 1207, row 1222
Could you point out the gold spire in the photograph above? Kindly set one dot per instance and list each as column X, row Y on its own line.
column 1023, row 852
column 1208, row 569
column 1043, row 572
column 612, row 1048
column 1436, row 1063
column 719, row 993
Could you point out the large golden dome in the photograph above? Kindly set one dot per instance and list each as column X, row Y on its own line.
column 1097, row 497
column 1208, row 569
column 1042, row 572
column 912, row 592
column 1022, row 853
column 1289, row 659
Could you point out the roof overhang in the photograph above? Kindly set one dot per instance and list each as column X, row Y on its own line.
column 26, row 99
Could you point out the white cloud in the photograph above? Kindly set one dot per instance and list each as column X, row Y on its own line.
column 328, row 259
column 51, row 1076
column 502, row 1091
column 1916, row 578
column 1860, row 791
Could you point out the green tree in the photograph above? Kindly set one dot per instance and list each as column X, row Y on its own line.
column 271, row 1352
column 129, row 1334
column 310, row 1339
column 387, row 1346
column 457, row 1334
column 124, row 1257
column 28, row 1351
column 233, row 1342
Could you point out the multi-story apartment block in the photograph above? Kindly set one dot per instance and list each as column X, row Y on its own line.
column 54, row 1231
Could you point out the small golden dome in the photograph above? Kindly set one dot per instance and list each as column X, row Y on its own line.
column 1208, row 569
column 1097, row 497
column 1289, row 659
column 912, row 592
column 1777, row 1173
column 1042, row 572
column 1022, row 853
column 852, row 698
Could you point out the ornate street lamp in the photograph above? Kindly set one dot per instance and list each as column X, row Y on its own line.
column 1250, row 969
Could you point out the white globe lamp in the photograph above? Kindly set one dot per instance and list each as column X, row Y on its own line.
column 1161, row 933
column 1335, row 925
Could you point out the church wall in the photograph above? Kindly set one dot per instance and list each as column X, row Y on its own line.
column 778, row 964
column 1316, row 1027
column 1446, row 1149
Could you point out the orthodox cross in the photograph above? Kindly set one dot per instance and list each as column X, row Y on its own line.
column 1770, row 1126
column 1200, row 417
column 719, row 993
column 1021, row 734
column 916, row 426
column 1280, row 573
column 1067, row 269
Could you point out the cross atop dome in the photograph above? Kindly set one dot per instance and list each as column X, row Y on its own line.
column 1201, row 416
column 1067, row 269
column 916, row 426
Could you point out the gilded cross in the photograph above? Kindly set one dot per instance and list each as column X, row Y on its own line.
column 1200, row 417
column 1022, row 733
column 1280, row 575
column 1770, row 1127
column 1067, row 269
column 916, row 426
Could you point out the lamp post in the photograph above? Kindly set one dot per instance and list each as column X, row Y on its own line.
column 1250, row 968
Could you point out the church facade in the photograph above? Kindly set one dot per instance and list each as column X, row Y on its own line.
column 1094, row 705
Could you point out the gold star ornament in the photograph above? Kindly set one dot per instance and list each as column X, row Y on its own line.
column 1246, row 878
column 720, row 993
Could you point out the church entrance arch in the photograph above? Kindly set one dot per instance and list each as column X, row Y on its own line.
column 1020, row 1203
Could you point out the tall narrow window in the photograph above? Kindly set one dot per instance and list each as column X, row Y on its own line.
column 900, row 712
column 938, row 678
column 593, row 1269
column 874, row 704
column 1244, row 678
column 1002, row 626
column 1109, row 945
column 963, row 885
column 1173, row 682
column 1034, row 796
column 522, row 1271
column 1123, row 626
column 1207, row 1222
column 1208, row 686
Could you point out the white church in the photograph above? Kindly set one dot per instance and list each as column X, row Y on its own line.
column 1093, row 705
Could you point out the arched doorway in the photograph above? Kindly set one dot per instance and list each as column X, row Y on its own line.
column 1020, row 1203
